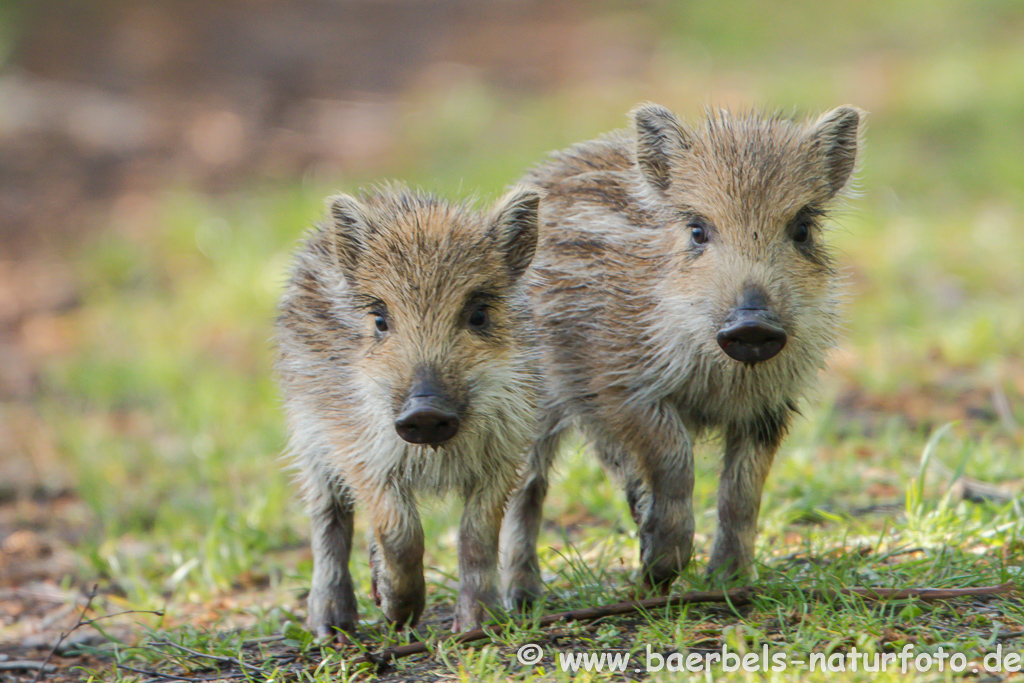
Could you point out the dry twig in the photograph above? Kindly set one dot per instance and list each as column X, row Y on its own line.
column 41, row 673
column 735, row 597
column 234, row 661
column 45, row 667
column 26, row 665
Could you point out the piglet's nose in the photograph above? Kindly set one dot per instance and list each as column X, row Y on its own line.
column 751, row 339
column 427, row 420
column 751, row 333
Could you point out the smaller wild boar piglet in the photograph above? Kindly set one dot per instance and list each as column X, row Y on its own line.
column 682, row 285
column 407, row 364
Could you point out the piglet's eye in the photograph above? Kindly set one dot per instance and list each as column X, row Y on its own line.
column 478, row 319
column 698, row 233
column 380, row 322
column 802, row 232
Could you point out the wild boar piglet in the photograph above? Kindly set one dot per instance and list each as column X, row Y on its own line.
column 681, row 284
column 407, row 362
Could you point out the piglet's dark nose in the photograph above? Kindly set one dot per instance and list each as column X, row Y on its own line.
column 427, row 420
column 751, row 339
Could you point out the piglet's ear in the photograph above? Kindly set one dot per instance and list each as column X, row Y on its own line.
column 514, row 227
column 349, row 228
column 660, row 136
column 837, row 136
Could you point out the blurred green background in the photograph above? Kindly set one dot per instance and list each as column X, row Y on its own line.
column 159, row 160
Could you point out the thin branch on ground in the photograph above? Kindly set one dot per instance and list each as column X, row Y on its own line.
column 735, row 597
column 160, row 676
column 45, row 667
column 92, row 622
column 156, row 675
column 63, row 636
column 1009, row 635
column 26, row 665
column 234, row 661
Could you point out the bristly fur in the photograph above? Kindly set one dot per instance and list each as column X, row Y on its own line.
column 379, row 296
column 628, row 308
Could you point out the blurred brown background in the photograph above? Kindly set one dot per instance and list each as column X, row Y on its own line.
column 107, row 100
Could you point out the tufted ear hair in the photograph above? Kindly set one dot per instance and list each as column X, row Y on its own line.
column 515, row 228
column 349, row 230
column 836, row 136
column 660, row 136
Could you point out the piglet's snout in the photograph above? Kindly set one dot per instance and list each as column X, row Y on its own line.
column 427, row 419
column 751, row 332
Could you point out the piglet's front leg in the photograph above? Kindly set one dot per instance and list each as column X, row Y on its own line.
column 479, row 532
column 396, row 559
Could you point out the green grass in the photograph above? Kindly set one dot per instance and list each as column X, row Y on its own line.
column 167, row 421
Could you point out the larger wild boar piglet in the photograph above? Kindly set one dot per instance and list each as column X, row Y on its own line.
column 682, row 285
